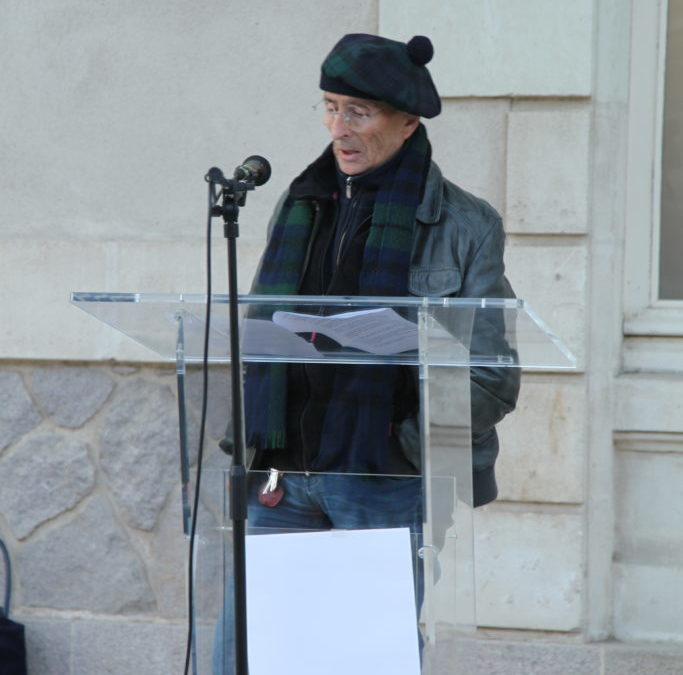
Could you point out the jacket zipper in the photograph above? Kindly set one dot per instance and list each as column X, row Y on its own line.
column 307, row 261
column 347, row 230
column 349, row 192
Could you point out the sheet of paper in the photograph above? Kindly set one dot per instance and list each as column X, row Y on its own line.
column 332, row 603
column 378, row 331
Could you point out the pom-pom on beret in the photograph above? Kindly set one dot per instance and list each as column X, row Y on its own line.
column 369, row 66
column 420, row 50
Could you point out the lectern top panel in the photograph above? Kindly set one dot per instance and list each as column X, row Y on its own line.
column 337, row 329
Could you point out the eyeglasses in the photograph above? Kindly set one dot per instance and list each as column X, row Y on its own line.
column 355, row 117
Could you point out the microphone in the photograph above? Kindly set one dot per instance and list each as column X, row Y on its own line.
column 255, row 169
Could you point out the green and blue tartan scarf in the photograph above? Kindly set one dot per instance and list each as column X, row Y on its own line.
column 384, row 272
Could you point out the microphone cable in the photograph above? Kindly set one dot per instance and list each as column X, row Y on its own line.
column 212, row 199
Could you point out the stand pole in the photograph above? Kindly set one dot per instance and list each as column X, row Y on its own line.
column 238, row 474
column 256, row 171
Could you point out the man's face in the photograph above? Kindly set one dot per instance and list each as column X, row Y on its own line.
column 364, row 143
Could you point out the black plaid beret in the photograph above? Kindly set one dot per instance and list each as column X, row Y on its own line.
column 369, row 66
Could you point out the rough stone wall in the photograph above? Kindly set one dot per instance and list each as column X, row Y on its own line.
column 90, row 509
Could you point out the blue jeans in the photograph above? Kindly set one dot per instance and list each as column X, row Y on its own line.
column 323, row 502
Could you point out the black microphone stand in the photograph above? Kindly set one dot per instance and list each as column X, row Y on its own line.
column 234, row 196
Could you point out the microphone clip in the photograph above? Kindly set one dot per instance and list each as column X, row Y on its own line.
column 254, row 171
column 235, row 185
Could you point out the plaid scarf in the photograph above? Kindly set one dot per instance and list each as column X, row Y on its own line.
column 384, row 272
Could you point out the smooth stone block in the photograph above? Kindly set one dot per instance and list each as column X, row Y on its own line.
column 552, row 279
column 542, row 442
column 643, row 659
column 500, row 48
column 528, row 657
column 649, row 402
column 111, row 647
column 48, row 645
column 648, row 601
column 649, row 504
column 547, row 171
column 468, row 143
column 529, row 569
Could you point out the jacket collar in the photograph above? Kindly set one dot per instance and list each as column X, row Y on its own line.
column 319, row 180
column 429, row 210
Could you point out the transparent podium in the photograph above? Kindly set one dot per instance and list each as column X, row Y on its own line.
column 358, row 561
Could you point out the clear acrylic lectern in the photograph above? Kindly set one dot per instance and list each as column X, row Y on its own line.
column 319, row 600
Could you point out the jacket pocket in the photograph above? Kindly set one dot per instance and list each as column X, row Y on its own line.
column 429, row 281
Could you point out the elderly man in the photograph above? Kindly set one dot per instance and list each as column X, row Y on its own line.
column 372, row 216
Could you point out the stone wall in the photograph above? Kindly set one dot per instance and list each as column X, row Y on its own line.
column 90, row 508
